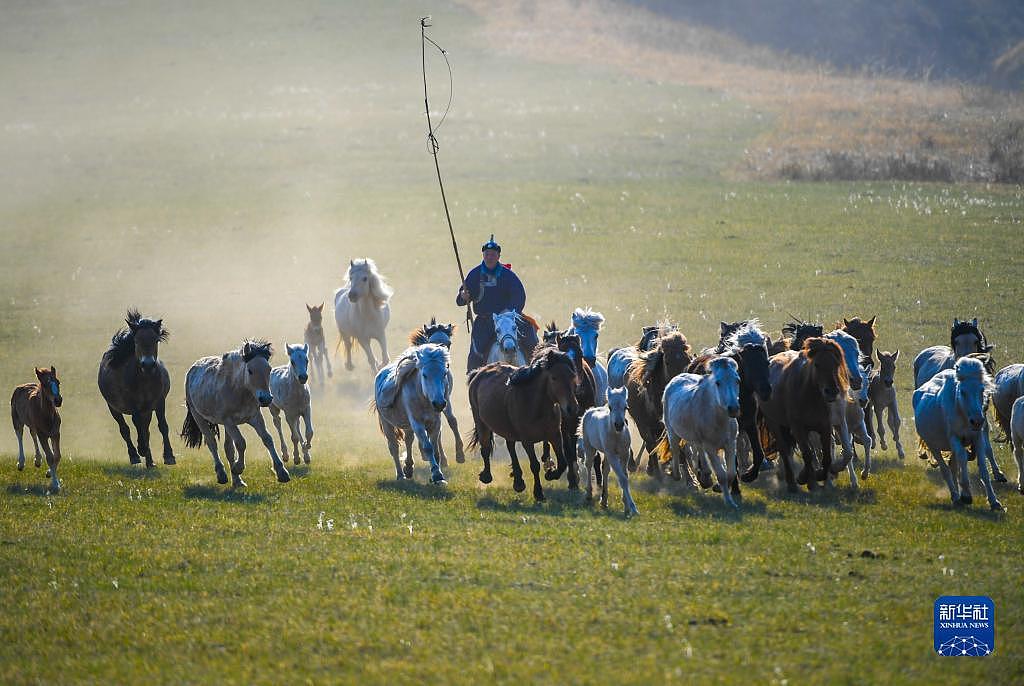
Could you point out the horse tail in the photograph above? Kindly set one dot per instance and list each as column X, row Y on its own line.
column 191, row 433
column 474, row 439
column 663, row 449
column 337, row 346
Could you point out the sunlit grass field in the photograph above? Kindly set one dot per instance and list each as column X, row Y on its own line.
column 219, row 166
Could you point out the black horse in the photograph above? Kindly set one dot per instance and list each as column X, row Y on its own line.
column 133, row 381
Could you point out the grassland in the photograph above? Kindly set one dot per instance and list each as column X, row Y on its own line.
column 218, row 166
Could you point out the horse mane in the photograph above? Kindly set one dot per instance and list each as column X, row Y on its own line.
column 587, row 319
column 654, row 331
column 800, row 331
column 531, row 321
column 543, row 360
column 978, row 370
column 550, row 332
column 256, row 347
column 962, row 327
column 122, row 344
column 749, row 333
column 422, row 335
column 432, row 353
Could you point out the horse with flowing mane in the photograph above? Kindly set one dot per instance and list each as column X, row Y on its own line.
column 362, row 311
column 441, row 334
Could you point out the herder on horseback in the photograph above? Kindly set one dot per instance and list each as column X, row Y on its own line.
column 494, row 288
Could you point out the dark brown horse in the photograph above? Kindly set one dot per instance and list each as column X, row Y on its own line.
column 803, row 385
column 863, row 331
column 645, row 384
column 134, row 381
column 586, row 397
column 526, row 404
column 35, row 405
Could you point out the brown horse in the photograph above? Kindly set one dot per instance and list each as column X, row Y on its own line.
column 35, row 405
column 586, row 397
column 526, row 404
column 645, row 384
column 803, row 386
column 863, row 331
column 314, row 337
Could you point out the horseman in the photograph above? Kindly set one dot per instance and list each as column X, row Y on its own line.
column 492, row 287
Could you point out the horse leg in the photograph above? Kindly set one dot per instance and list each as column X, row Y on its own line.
column 229, row 453
column 784, row 440
column 865, row 438
column 326, row 359
column 424, row 432
column 588, row 462
column 161, row 424
column 453, row 424
column 442, row 458
column 997, row 473
column 307, row 418
column 605, row 468
column 947, row 474
column 1018, row 456
column 545, row 458
column 211, row 443
column 620, row 472
column 993, row 501
column 572, row 463
column 261, row 430
column 364, row 343
column 756, row 451
column 518, row 485
column 126, row 436
column 141, row 421
column 52, row 458
column 894, row 425
column 19, row 431
column 392, row 438
column 538, row 492
column 296, row 436
column 382, row 340
column 408, row 470
column 35, row 444
column 878, row 410
column 347, row 340
column 231, row 433
column 808, row 474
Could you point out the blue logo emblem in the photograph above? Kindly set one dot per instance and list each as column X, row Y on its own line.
column 965, row 625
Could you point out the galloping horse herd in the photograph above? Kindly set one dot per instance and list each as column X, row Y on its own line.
column 712, row 419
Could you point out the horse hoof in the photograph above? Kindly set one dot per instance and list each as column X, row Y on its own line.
column 997, row 507
column 297, row 460
column 238, row 483
column 748, row 476
column 551, row 475
column 539, row 497
column 716, row 488
column 407, row 471
column 966, row 499
column 150, row 464
column 1000, row 478
column 485, row 477
column 801, row 478
column 438, row 479
column 305, row 459
column 283, row 476
column 460, row 458
column 222, row 476
column 519, row 486
column 349, row 366
column 132, row 459
column 330, row 375
column 21, row 467
column 170, row 460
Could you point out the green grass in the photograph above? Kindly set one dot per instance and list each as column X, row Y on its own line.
column 218, row 166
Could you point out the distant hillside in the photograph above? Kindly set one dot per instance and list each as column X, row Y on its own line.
column 962, row 39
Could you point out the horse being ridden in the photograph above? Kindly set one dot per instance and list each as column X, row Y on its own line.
column 362, row 311
column 230, row 390
column 35, row 405
column 291, row 396
column 494, row 289
column 134, row 381
column 316, row 341
column 441, row 334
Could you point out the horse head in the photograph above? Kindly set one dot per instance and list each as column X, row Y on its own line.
column 675, row 352
column 298, row 359
column 965, row 338
column 863, row 331
column 550, row 333
column 749, row 347
column 973, row 385
column 146, row 335
column 617, row 406
column 432, row 332
column 724, row 373
column 569, row 343
column 506, row 331
column 50, row 384
column 887, row 366
column 432, row 366
column 256, row 356
column 363, row 280
column 827, row 367
column 586, row 323
column 851, row 353
column 800, row 331
column 316, row 314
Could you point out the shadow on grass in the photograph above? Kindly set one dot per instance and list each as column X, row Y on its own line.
column 41, row 489
column 557, row 502
column 979, row 510
column 709, row 504
column 418, row 489
column 133, row 471
column 223, row 494
column 298, row 471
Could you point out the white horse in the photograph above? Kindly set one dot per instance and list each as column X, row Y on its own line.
column 361, row 311
column 949, row 412
column 506, row 347
column 442, row 335
column 1017, row 439
column 409, row 396
column 291, row 395
column 882, row 398
column 701, row 409
column 230, row 390
column 586, row 323
column 619, row 362
column 1009, row 383
column 604, row 430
